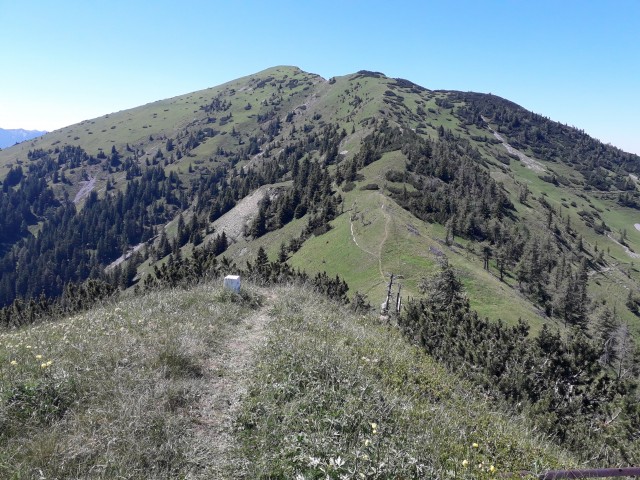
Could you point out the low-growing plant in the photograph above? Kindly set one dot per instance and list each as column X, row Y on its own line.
column 177, row 363
column 339, row 396
column 40, row 401
column 114, row 392
column 244, row 298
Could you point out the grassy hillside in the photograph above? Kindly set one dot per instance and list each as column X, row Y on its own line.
column 391, row 240
column 273, row 383
column 190, row 151
column 147, row 128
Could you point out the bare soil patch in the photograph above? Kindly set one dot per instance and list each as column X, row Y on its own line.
column 85, row 190
column 227, row 375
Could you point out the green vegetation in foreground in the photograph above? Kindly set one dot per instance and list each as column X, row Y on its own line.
column 114, row 392
column 124, row 391
column 337, row 395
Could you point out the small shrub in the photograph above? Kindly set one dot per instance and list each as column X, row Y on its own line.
column 394, row 176
column 244, row 298
column 348, row 186
column 177, row 363
column 41, row 401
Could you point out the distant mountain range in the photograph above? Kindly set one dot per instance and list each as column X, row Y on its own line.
column 11, row 137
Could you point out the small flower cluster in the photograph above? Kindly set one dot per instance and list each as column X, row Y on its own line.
column 482, row 465
column 46, row 364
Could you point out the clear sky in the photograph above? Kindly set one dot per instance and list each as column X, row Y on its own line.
column 574, row 61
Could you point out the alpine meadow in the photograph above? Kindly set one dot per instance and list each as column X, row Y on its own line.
column 503, row 246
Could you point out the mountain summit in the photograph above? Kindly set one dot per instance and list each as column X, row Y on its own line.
column 501, row 243
column 359, row 176
column 11, row 137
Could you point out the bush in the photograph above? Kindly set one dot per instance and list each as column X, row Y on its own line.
column 40, row 402
column 394, row 176
column 348, row 186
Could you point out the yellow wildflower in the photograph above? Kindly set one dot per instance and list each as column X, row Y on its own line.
column 475, row 445
column 13, row 362
column 367, row 442
column 465, row 462
column 49, row 363
column 38, row 357
column 492, row 469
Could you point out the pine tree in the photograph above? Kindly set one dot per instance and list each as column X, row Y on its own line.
column 261, row 265
column 605, row 328
column 282, row 254
column 259, row 224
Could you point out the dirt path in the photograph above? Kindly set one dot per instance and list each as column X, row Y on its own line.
column 626, row 249
column 353, row 237
column 226, row 375
column 385, row 238
column 382, row 242
column 602, row 270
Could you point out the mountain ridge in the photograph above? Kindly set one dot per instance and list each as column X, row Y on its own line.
column 244, row 125
column 9, row 137
column 508, row 239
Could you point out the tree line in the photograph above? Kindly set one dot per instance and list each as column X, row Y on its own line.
column 604, row 167
column 580, row 388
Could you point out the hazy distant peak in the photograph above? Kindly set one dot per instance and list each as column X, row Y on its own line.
column 9, row 137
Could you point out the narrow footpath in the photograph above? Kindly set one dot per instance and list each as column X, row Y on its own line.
column 227, row 377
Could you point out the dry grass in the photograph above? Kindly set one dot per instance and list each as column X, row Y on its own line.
column 168, row 385
column 339, row 396
column 121, row 396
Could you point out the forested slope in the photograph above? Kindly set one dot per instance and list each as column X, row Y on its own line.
column 342, row 182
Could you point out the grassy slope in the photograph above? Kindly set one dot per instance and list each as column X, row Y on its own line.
column 344, row 395
column 131, row 381
column 148, row 126
column 612, row 285
column 120, row 397
column 394, row 241
column 352, row 101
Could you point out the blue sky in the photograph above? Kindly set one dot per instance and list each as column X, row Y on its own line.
column 577, row 62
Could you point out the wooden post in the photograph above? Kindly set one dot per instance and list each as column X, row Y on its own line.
column 385, row 305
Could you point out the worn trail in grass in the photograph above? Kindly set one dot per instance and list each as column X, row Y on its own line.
column 144, row 389
column 335, row 395
column 271, row 383
column 226, row 378
column 378, row 255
